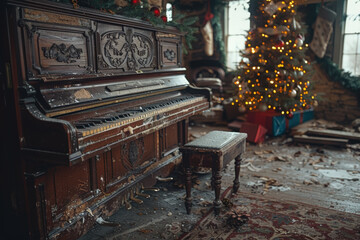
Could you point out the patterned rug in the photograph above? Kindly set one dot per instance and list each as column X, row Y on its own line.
column 254, row 217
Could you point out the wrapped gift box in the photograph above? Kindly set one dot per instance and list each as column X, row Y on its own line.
column 256, row 132
column 277, row 123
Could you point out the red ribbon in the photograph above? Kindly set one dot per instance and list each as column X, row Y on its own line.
column 208, row 15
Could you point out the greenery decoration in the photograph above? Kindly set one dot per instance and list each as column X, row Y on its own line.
column 339, row 75
column 141, row 10
column 184, row 24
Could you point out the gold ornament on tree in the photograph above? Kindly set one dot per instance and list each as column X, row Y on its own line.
column 299, row 42
column 293, row 93
column 299, row 88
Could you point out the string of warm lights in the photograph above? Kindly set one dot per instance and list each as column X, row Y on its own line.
column 275, row 74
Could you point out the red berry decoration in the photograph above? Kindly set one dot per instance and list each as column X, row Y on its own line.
column 135, row 2
column 279, row 43
column 164, row 18
column 290, row 115
column 156, row 11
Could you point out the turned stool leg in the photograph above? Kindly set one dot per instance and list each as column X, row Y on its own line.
column 187, row 168
column 217, row 186
column 237, row 171
column 212, row 179
column 188, row 203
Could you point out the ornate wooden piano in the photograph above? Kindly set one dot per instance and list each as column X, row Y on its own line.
column 101, row 106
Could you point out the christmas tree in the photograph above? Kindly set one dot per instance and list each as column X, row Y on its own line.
column 275, row 74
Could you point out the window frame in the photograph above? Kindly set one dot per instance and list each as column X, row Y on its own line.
column 226, row 32
column 339, row 35
column 339, row 32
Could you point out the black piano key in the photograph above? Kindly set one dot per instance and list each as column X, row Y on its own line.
column 86, row 123
column 79, row 126
column 111, row 119
column 96, row 120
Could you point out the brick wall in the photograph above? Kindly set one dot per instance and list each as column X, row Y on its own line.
column 336, row 103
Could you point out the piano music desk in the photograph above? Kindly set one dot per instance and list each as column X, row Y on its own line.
column 213, row 150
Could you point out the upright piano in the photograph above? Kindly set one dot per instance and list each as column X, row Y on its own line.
column 101, row 104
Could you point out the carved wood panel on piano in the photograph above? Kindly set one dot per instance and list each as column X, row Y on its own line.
column 104, row 106
column 53, row 48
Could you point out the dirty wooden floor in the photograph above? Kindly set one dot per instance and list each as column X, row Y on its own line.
column 278, row 168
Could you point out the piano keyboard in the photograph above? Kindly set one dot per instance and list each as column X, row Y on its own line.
column 119, row 118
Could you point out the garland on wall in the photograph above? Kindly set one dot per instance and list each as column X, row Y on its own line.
column 141, row 9
column 339, row 75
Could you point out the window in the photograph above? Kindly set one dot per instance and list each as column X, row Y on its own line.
column 351, row 38
column 237, row 25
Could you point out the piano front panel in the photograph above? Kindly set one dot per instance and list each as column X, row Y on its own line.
column 129, row 160
column 57, row 196
column 171, row 138
column 54, row 48
column 169, row 51
column 69, row 186
column 123, row 49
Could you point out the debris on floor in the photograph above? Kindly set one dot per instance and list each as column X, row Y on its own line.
column 324, row 133
column 237, row 218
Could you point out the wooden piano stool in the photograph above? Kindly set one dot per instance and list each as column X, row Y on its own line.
column 213, row 150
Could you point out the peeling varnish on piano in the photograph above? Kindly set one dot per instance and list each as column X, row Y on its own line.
column 73, row 209
column 42, row 16
column 82, row 94
column 165, row 35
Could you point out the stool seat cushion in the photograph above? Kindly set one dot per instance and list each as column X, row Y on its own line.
column 216, row 140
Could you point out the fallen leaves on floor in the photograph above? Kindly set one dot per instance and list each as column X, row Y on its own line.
column 145, row 231
column 277, row 169
column 236, row 218
column 266, row 184
column 227, row 202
